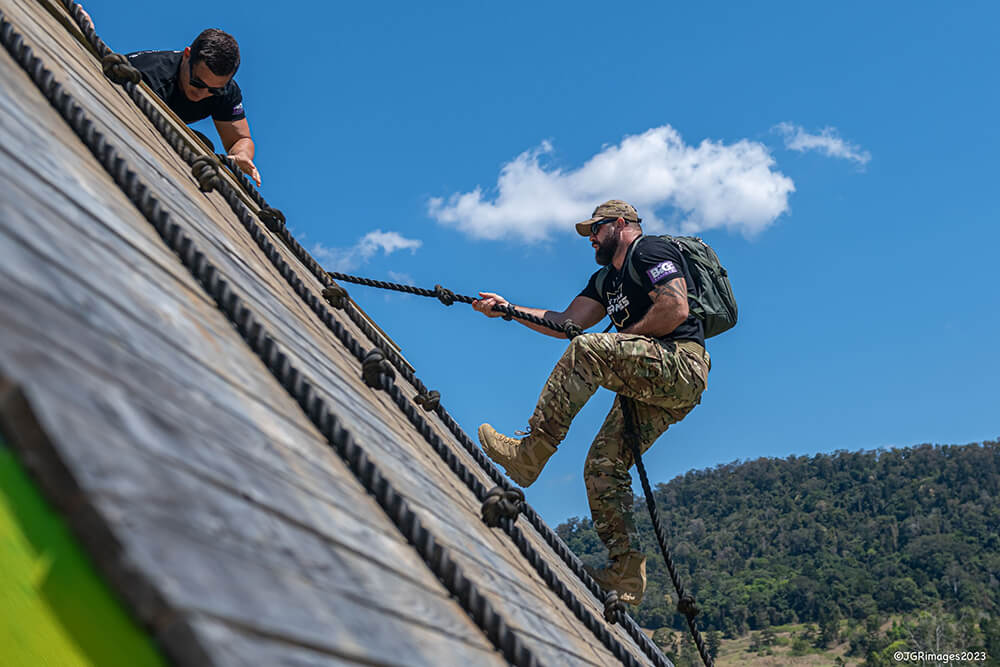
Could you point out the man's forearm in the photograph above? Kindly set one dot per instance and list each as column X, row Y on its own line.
column 243, row 146
column 545, row 315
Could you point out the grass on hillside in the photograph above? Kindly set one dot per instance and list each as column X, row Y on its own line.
column 788, row 648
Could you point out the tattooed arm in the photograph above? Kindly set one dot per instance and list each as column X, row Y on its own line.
column 669, row 309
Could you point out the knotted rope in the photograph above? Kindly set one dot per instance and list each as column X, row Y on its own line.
column 428, row 400
column 685, row 603
column 447, row 297
column 117, row 68
column 206, row 172
column 376, row 370
column 614, row 609
column 272, row 218
column 501, row 503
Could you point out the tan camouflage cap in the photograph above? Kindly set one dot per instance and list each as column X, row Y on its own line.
column 613, row 208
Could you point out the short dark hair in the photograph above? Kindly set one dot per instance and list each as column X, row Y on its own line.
column 218, row 50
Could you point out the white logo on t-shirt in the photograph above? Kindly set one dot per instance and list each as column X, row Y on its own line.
column 617, row 307
column 662, row 269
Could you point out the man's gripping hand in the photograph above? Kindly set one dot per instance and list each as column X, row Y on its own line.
column 247, row 166
column 485, row 304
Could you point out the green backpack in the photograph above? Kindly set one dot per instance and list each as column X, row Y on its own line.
column 713, row 302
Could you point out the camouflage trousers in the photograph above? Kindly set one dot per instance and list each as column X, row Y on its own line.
column 665, row 381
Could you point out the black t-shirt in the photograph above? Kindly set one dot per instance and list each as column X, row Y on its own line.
column 656, row 261
column 161, row 70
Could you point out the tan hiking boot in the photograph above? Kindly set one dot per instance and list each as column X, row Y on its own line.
column 625, row 574
column 522, row 459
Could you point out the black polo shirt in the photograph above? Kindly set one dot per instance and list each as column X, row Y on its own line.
column 656, row 261
column 161, row 71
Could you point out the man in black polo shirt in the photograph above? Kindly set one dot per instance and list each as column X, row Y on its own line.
column 657, row 359
column 197, row 83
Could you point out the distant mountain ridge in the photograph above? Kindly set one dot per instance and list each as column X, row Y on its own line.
column 819, row 538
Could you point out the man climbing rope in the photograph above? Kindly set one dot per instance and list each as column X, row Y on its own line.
column 197, row 83
column 657, row 359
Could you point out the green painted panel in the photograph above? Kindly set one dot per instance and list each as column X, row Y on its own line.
column 54, row 608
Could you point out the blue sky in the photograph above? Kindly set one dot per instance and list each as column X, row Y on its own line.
column 840, row 158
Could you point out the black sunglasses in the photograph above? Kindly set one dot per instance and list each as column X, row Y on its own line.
column 198, row 83
column 594, row 226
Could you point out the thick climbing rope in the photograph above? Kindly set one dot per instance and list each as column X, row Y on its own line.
column 250, row 327
column 428, row 400
column 686, row 605
column 447, row 297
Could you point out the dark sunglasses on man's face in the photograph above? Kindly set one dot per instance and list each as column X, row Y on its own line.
column 595, row 226
column 198, row 83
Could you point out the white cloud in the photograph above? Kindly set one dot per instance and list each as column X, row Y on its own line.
column 348, row 259
column 701, row 187
column 827, row 142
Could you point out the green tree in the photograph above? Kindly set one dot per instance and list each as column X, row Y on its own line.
column 849, row 535
column 713, row 640
column 829, row 633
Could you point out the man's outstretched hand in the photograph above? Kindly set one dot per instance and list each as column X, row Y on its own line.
column 247, row 166
column 486, row 302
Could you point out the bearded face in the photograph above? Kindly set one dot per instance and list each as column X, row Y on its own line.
column 605, row 245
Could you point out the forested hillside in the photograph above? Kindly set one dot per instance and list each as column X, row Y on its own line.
column 849, row 535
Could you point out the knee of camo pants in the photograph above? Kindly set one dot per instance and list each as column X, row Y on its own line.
column 583, row 365
column 609, row 490
column 575, row 378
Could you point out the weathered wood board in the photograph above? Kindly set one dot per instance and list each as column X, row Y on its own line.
column 197, row 483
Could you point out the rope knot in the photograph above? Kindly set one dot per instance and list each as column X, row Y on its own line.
column 571, row 329
column 614, row 608
column 206, row 173
column 444, row 295
column 117, row 68
column 686, row 606
column 429, row 400
column 336, row 296
column 376, row 370
column 500, row 504
column 272, row 218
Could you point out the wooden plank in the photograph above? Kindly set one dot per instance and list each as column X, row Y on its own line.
column 182, row 511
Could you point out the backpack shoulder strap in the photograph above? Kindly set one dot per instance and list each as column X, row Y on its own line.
column 633, row 272
column 602, row 275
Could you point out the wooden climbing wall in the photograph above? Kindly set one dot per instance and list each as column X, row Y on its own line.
column 202, row 492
